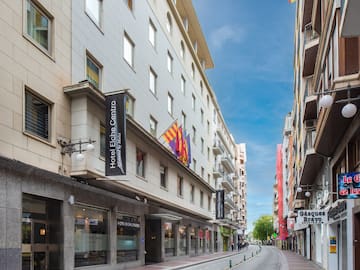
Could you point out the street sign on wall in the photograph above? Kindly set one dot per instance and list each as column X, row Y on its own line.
column 349, row 185
column 312, row 217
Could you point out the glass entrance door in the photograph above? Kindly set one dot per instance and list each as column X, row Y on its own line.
column 41, row 235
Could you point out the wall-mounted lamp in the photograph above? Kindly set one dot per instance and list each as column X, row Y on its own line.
column 348, row 111
column 69, row 147
column 71, row 200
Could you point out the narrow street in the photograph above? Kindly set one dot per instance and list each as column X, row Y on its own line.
column 253, row 258
column 257, row 258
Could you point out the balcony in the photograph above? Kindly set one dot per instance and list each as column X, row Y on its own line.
column 218, row 148
column 217, row 171
column 332, row 125
column 311, row 45
column 227, row 183
column 229, row 202
column 310, row 106
column 312, row 161
column 228, row 163
column 350, row 20
column 307, row 13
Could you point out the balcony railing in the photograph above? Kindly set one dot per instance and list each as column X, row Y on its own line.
column 218, row 148
column 309, row 139
column 228, row 163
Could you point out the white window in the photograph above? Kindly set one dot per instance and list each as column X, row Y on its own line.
column 194, row 164
column 207, row 101
column 169, row 62
column 182, row 85
column 153, row 126
column 93, row 9
column 152, row 33
column 194, row 135
column 170, row 104
column 102, row 140
column 93, row 71
column 192, row 193
column 37, row 116
column 180, row 186
column 128, row 50
column 208, row 127
column 193, row 101
column 140, row 162
column 168, row 22
column 38, row 25
column 202, row 116
column 201, row 198
column 129, row 105
column 202, row 145
column 163, row 180
column 201, row 88
column 192, row 70
column 182, row 50
column 183, row 120
column 152, row 81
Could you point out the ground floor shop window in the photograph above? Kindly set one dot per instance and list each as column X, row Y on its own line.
column 208, row 239
column 201, row 240
column 215, row 241
column 128, row 228
column 192, row 239
column 182, row 240
column 169, row 239
column 91, row 236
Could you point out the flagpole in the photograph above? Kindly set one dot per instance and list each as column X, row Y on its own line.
column 167, row 128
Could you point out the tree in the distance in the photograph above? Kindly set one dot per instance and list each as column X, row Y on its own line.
column 263, row 228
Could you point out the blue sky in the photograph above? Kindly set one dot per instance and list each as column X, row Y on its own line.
column 251, row 43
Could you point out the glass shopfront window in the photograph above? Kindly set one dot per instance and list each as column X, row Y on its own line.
column 201, row 240
column 169, row 239
column 91, row 236
column 182, row 240
column 128, row 228
column 192, row 240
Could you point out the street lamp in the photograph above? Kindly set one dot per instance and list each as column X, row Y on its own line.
column 326, row 100
column 69, row 147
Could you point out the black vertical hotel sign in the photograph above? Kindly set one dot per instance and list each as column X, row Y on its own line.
column 115, row 135
column 220, row 198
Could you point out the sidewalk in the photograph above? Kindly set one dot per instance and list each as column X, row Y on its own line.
column 298, row 262
column 190, row 261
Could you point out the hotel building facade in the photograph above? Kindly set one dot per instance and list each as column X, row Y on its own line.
column 59, row 62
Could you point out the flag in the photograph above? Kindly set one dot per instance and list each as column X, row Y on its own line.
column 183, row 157
column 179, row 141
column 170, row 134
column 291, row 1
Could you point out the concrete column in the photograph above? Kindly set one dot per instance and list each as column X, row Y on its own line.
column 176, row 238
column 10, row 225
column 197, row 246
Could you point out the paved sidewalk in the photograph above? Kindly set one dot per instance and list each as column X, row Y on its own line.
column 298, row 262
column 184, row 262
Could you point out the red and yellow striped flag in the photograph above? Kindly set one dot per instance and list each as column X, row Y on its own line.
column 170, row 134
column 291, row 1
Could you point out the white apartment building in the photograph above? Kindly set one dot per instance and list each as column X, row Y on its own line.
column 59, row 62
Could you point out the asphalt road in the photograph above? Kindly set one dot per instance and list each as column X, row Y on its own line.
column 268, row 258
